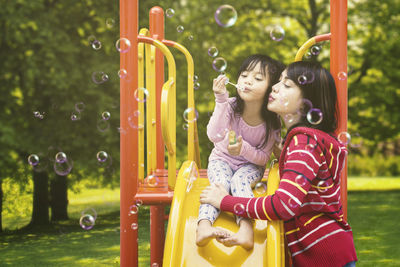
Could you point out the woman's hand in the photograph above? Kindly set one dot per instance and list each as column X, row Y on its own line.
column 213, row 195
column 219, row 84
column 234, row 149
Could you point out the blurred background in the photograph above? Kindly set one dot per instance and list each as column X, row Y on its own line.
column 59, row 109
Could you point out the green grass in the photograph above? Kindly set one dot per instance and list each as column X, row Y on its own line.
column 373, row 214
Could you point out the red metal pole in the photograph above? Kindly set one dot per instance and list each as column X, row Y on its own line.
column 338, row 65
column 157, row 233
column 129, row 136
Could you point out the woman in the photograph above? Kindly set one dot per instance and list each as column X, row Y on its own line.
column 308, row 197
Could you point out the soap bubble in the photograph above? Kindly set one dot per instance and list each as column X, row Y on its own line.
column 322, row 186
column 87, row 222
column 306, row 107
column 195, row 78
column 277, row 33
column 190, row 115
column 180, row 28
column 99, row 77
column 133, row 120
column 300, row 180
column 122, row 73
column 344, row 138
column 302, row 79
column 213, row 51
column 292, row 203
column 61, row 157
column 110, row 23
column 196, row 85
column 96, row 44
column 342, row 75
column 260, row 188
column 239, row 209
column 219, row 64
column 102, row 156
column 315, row 50
column 123, row 45
column 33, row 159
column 152, row 180
column 134, row 226
column 314, row 116
column 169, row 12
column 190, row 37
column 225, row 16
column 75, row 117
column 63, row 168
column 141, row 94
column 103, row 125
column 185, row 126
column 79, row 107
column 106, row 115
column 134, row 209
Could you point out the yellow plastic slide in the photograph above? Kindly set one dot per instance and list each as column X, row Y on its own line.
column 180, row 246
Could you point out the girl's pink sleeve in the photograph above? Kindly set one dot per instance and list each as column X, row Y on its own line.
column 220, row 119
column 257, row 156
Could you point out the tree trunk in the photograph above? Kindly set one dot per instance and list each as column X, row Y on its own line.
column 40, row 212
column 1, row 205
column 59, row 198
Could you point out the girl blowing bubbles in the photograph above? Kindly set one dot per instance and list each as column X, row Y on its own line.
column 239, row 165
column 308, row 197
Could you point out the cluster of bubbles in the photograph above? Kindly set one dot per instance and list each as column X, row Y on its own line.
column 134, row 209
column 38, row 115
column 62, row 165
column 88, row 219
column 314, row 51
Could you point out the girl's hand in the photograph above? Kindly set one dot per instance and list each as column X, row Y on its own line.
column 219, row 86
column 234, row 149
column 213, row 195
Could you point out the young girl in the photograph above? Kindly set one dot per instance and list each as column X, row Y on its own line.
column 308, row 197
column 239, row 165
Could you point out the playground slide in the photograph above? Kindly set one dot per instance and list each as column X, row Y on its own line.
column 180, row 247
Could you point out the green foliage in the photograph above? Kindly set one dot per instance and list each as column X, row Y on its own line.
column 375, row 165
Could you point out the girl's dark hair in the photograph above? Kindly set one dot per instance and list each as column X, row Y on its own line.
column 318, row 86
column 274, row 69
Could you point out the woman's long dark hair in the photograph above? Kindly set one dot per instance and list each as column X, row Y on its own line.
column 274, row 69
column 318, row 86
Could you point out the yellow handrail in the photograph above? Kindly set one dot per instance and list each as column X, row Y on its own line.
column 310, row 42
column 193, row 144
column 168, row 107
column 275, row 231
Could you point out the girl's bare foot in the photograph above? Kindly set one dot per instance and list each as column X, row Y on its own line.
column 205, row 232
column 244, row 237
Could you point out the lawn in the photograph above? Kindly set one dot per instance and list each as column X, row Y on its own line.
column 373, row 214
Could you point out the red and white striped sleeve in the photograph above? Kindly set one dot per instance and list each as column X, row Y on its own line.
column 303, row 159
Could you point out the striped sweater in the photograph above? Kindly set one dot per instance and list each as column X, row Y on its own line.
column 307, row 200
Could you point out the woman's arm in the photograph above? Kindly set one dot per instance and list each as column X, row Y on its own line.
column 300, row 169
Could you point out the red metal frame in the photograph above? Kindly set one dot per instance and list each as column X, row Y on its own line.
column 338, row 64
column 129, row 185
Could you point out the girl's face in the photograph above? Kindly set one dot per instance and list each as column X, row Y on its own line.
column 254, row 84
column 285, row 98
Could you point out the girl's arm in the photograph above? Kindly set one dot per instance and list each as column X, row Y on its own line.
column 254, row 155
column 220, row 119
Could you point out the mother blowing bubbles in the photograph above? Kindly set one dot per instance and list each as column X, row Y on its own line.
column 308, row 197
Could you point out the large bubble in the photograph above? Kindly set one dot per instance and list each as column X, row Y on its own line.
column 123, row 45
column 225, row 16
column 277, row 33
column 219, row 64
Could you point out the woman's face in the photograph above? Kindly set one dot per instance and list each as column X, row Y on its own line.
column 285, row 98
column 254, row 84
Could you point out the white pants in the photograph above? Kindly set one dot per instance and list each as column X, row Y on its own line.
column 239, row 183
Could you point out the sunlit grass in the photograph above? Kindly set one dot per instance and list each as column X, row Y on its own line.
column 373, row 213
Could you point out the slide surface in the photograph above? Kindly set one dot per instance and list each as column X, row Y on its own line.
column 180, row 247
